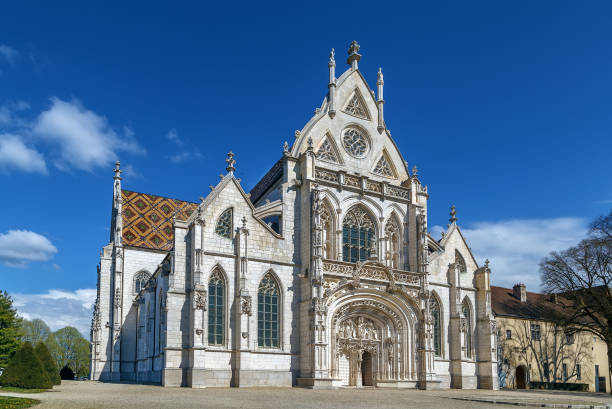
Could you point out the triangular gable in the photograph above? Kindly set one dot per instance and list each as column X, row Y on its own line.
column 453, row 227
column 384, row 166
column 328, row 151
column 356, row 106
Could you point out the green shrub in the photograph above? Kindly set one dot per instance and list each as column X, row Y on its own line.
column 25, row 370
column 48, row 363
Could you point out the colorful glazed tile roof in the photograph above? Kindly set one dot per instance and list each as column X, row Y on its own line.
column 147, row 219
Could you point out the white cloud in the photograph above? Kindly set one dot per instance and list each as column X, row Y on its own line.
column 172, row 135
column 85, row 139
column 58, row 308
column 18, row 247
column 185, row 156
column 14, row 154
column 10, row 54
column 516, row 247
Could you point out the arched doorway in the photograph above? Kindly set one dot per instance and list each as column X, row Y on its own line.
column 521, row 377
column 366, row 369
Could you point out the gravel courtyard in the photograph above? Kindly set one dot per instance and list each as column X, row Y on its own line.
column 95, row 395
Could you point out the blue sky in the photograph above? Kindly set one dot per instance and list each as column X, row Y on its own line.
column 503, row 106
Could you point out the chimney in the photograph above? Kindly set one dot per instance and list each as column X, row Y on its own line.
column 520, row 291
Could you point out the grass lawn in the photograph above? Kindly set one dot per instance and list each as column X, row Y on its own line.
column 7, row 402
column 20, row 390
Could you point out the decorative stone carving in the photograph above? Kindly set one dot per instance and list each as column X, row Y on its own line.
column 353, row 181
column 326, row 175
column 399, row 192
column 246, row 305
column 199, row 300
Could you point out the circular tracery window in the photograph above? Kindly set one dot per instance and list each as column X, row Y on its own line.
column 355, row 142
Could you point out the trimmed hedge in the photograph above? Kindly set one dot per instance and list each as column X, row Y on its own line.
column 562, row 386
column 25, row 370
column 48, row 363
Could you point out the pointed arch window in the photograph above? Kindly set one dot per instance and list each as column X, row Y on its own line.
column 467, row 327
column 434, row 309
column 268, row 295
column 460, row 262
column 216, row 308
column 327, row 152
column 225, row 224
column 357, row 235
column 327, row 223
column 140, row 280
column 392, row 234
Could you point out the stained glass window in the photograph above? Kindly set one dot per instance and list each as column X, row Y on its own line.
column 268, row 312
column 355, row 142
column 356, row 107
column 225, row 224
column 434, row 308
column 357, row 235
column 216, row 308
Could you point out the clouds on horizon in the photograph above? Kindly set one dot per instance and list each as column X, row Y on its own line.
column 58, row 308
column 516, row 247
column 19, row 247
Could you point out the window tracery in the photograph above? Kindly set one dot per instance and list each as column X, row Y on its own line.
column 327, row 152
column 216, row 308
column 327, row 225
column 355, row 142
column 357, row 235
column 434, row 309
column 356, row 107
column 460, row 262
column 225, row 223
column 140, row 280
column 268, row 312
column 383, row 167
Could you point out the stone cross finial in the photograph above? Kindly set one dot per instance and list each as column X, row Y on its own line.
column 117, row 171
column 310, row 142
column 453, row 214
column 286, row 148
column 243, row 222
column 354, row 55
column 230, row 162
column 415, row 171
column 487, row 263
column 332, row 61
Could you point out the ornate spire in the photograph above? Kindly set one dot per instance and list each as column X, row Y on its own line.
column 332, row 84
column 354, row 55
column 453, row 215
column 380, row 101
column 230, row 162
column 117, row 171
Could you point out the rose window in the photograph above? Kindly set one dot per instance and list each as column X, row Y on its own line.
column 355, row 142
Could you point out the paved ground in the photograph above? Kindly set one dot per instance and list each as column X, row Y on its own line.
column 96, row 395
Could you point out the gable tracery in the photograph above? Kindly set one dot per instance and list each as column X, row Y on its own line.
column 356, row 106
column 224, row 225
column 327, row 151
column 460, row 262
column 383, row 167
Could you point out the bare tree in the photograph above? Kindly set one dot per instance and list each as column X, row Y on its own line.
column 546, row 347
column 583, row 276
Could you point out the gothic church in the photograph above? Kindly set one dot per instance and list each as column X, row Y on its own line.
column 323, row 275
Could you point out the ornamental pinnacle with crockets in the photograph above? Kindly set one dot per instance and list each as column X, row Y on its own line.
column 230, row 162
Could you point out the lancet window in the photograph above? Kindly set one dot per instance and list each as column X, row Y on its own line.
column 460, row 262
column 216, row 308
column 357, row 235
column 434, row 309
column 268, row 296
column 467, row 327
column 225, row 224
column 392, row 234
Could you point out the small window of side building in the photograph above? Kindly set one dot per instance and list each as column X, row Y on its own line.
column 508, row 334
column 535, row 332
column 578, row 372
column 569, row 338
column 564, row 369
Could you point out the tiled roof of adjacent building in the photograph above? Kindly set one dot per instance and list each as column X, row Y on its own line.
column 537, row 305
column 147, row 219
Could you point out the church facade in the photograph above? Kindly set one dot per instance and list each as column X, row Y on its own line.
column 323, row 275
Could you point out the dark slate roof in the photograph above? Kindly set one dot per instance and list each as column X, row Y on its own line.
column 537, row 306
